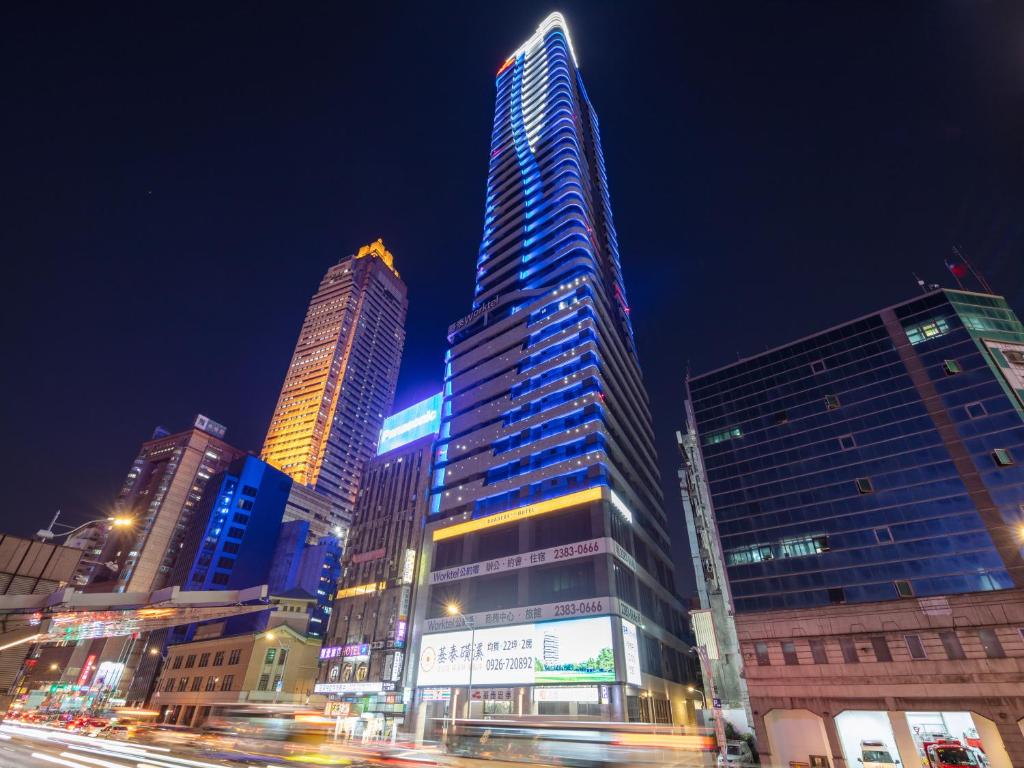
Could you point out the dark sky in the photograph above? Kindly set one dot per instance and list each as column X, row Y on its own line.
column 176, row 178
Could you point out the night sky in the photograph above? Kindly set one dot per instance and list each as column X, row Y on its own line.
column 177, row 177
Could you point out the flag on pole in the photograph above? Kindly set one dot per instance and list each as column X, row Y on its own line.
column 959, row 269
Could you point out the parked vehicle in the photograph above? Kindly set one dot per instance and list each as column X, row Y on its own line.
column 948, row 753
column 737, row 753
column 875, row 754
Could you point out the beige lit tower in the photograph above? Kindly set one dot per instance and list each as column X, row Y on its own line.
column 341, row 379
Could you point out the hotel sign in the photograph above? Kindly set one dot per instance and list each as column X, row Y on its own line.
column 487, row 306
column 519, row 513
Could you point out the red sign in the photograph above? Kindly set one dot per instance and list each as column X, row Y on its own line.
column 365, row 557
column 90, row 662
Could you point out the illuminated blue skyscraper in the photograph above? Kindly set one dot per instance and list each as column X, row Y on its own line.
column 546, row 437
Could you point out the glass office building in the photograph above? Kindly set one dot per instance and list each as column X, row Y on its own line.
column 878, row 460
column 545, row 459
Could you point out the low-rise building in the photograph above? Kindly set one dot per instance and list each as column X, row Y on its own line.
column 206, row 675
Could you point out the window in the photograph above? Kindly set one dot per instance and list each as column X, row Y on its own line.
column 951, row 368
column 271, row 655
column 818, row 652
column 847, row 443
column 761, row 650
column 881, row 649
column 915, row 647
column 204, row 660
column 227, row 563
column 177, row 662
column 975, row 410
column 218, row 658
column 238, row 517
column 781, row 418
column 236, row 533
column 951, row 643
column 248, row 490
column 182, row 684
column 235, row 656
column 831, row 402
column 211, row 684
column 283, row 656
column 720, row 437
column 904, row 588
column 990, row 642
column 625, row 584
column 789, row 653
column 837, row 595
column 169, row 685
column 1002, row 457
column 931, row 329
column 197, row 683
column 263, row 683
column 849, row 649
column 227, row 682
column 864, row 485
column 231, row 547
column 277, row 678
column 818, row 366
column 245, row 504
column 190, row 661
column 220, row 578
column 883, row 535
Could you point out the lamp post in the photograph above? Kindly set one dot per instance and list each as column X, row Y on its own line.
column 699, row 692
column 48, row 534
column 453, row 609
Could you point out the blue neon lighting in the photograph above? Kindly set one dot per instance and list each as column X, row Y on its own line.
column 416, row 421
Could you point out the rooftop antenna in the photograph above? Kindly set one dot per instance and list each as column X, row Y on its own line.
column 924, row 286
column 958, row 252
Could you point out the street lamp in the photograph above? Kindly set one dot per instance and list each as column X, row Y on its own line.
column 703, row 700
column 453, row 609
column 47, row 534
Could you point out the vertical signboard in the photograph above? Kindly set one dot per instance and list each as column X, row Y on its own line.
column 631, row 651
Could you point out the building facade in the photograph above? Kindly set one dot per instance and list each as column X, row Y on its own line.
column 867, row 487
column 208, row 675
column 341, row 379
column 545, row 485
column 364, row 657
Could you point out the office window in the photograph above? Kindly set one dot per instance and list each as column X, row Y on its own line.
column 218, row 658
column 864, row 485
column 883, row 535
column 951, row 643
column 951, row 367
column 263, row 683
column 248, row 490
column 990, row 642
column 818, row 366
column 625, row 583
column 975, row 410
column 190, row 661
column 761, row 650
column 176, row 664
column 204, row 660
column 904, row 588
column 245, row 504
column 915, row 647
column 1002, row 457
column 849, row 649
column 789, row 653
column 182, row 684
column 238, row 517
column 236, row 533
column 231, row 547
column 881, row 649
column 220, row 578
column 227, row 682
column 847, row 443
column 211, row 684
column 197, row 683
column 928, row 330
column 169, row 685
column 227, row 563
column 818, row 652
column 720, row 437
column 831, row 402
column 235, row 656
column 271, row 655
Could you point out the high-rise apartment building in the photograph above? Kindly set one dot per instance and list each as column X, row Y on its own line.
column 867, row 488
column 365, row 651
column 341, row 379
column 546, row 501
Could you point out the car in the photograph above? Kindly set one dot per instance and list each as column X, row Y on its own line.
column 949, row 753
column 118, row 731
column 876, row 754
column 737, row 753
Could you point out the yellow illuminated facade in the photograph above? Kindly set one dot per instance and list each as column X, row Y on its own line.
column 362, row 589
column 342, row 376
column 521, row 513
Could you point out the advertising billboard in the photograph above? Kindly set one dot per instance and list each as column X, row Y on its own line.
column 416, row 421
column 631, row 651
column 572, row 651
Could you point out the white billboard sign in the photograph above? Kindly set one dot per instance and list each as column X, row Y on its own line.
column 631, row 650
column 579, row 650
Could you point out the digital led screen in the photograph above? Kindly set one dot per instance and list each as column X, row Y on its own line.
column 416, row 421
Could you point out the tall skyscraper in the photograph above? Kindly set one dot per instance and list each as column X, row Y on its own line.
column 867, row 493
column 342, row 376
column 546, row 438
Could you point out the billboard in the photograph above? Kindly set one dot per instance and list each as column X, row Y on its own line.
column 416, row 421
column 572, row 651
column 631, row 650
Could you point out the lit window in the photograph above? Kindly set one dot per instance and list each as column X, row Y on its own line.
column 904, row 588
column 721, row 437
column 951, row 367
column 1002, row 457
column 931, row 329
column 831, row 402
